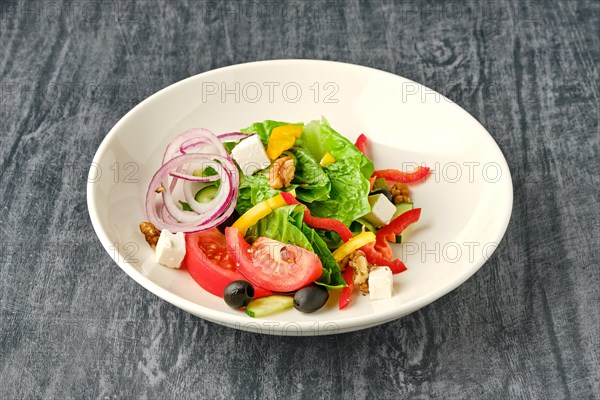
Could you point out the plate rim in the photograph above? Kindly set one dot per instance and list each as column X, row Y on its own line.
column 306, row 327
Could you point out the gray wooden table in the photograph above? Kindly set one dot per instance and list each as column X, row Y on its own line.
column 74, row 326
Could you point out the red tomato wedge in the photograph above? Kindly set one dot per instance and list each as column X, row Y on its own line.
column 210, row 265
column 271, row 264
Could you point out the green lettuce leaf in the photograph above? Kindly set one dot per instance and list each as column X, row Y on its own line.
column 332, row 275
column 331, row 238
column 339, row 190
column 313, row 183
column 254, row 189
column 349, row 174
column 282, row 225
column 185, row 206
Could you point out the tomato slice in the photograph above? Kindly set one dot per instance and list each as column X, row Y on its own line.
column 271, row 264
column 210, row 265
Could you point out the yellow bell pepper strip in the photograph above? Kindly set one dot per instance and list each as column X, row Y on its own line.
column 353, row 244
column 296, row 130
column 327, row 160
column 259, row 211
column 277, row 201
column 282, row 139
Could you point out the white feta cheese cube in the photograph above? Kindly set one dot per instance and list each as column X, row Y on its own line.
column 382, row 210
column 170, row 249
column 250, row 155
column 381, row 282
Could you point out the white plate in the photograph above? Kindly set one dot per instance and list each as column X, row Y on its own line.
column 466, row 202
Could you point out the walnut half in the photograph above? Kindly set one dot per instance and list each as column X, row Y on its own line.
column 282, row 172
column 152, row 234
column 400, row 194
column 358, row 262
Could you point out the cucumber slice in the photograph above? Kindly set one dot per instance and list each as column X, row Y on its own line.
column 367, row 224
column 185, row 206
column 379, row 184
column 208, row 171
column 269, row 305
column 206, row 194
column 402, row 208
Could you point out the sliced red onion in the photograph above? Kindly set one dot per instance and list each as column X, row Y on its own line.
column 204, row 216
column 197, row 142
column 220, row 199
column 193, row 178
column 233, row 136
column 174, row 148
column 203, row 209
column 199, row 137
column 192, row 144
column 166, row 216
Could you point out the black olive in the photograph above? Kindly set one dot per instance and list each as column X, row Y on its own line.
column 384, row 192
column 238, row 294
column 228, row 222
column 310, row 298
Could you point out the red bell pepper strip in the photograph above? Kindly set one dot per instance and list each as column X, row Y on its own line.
column 347, row 291
column 383, row 248
column 321, row 223
column 395, row 175
column 361, row 143
column 400, row 223
column 329, row 224
column 376, row 258
column 394, row 228
column 289, row 198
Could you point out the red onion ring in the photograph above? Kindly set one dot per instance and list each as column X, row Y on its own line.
column 233, row 136
column 202, row 218
column 176, row 165
column 174, row 148
column 201, row 141
column 193, row 178
column 223, row 194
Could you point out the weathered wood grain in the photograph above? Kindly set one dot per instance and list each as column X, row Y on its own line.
column 524, row 327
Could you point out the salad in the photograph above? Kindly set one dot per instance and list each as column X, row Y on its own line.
column 279, row 215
